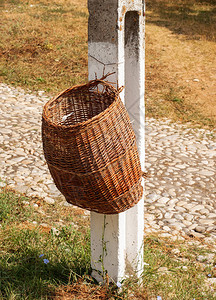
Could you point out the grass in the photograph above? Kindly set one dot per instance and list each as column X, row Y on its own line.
column 50, row 262
column 43, row 44
column 195, row 19
column 180, row 53
column 25, row 248
column 44, row 47
column 176, row 276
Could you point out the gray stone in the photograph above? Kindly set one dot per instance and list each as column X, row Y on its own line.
column 181, row 203
column 205, row 211
column 212, row 147
column 172, row 192
column 67, row 204
column 17, row 159
column 168, row 215
column 179, row 217
column 211, row 228
column 152, row 159
column 153, row 196
column 177, row 226
column 210, row 257
column 187, row 223
column 206, row 258
column 180, row 209
column 5, row 131
column 178, row 238
column 163, row 200
column 196, row 234
column 175, row 251
column 172, row 201
column 197, row 207
column 166, row 228
column 207, row 173
column 22, row 188
column 165, row 194
column 171, row 220
column 212, row 216
column 49, row 200
column 207, row 221
column 188, row 217
column 181, row 166
column 149, row 217
column 165, row 235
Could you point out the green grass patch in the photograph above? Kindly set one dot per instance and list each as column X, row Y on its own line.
column 34, row 262
column 178, row 276
column 40, row 264
column 12, row 209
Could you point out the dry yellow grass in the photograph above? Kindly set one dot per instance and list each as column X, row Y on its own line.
column 43, row 46
column 182, row 74
column 181, row 60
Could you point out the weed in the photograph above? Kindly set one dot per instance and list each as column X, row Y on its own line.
column 172, row 95
column 40, row 79
column 104, row 251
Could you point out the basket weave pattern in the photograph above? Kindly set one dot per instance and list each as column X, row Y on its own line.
column 90, row 148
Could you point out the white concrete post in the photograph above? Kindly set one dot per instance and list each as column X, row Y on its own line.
column 116, row 44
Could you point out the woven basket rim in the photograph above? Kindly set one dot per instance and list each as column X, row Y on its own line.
column 91, row 83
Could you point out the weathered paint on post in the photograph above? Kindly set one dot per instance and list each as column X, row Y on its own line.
column 116, row 44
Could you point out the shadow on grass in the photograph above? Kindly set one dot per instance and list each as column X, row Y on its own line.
column 195, row 19
column 33, row 280
column 28, row 273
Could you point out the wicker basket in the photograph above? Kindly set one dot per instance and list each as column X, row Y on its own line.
column 90, row 148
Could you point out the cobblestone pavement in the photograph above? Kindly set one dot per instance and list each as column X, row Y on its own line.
column 180, row 162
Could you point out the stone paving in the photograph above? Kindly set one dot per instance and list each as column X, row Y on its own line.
column 180, row 163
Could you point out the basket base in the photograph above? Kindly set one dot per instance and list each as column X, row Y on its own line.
column 121, row 204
